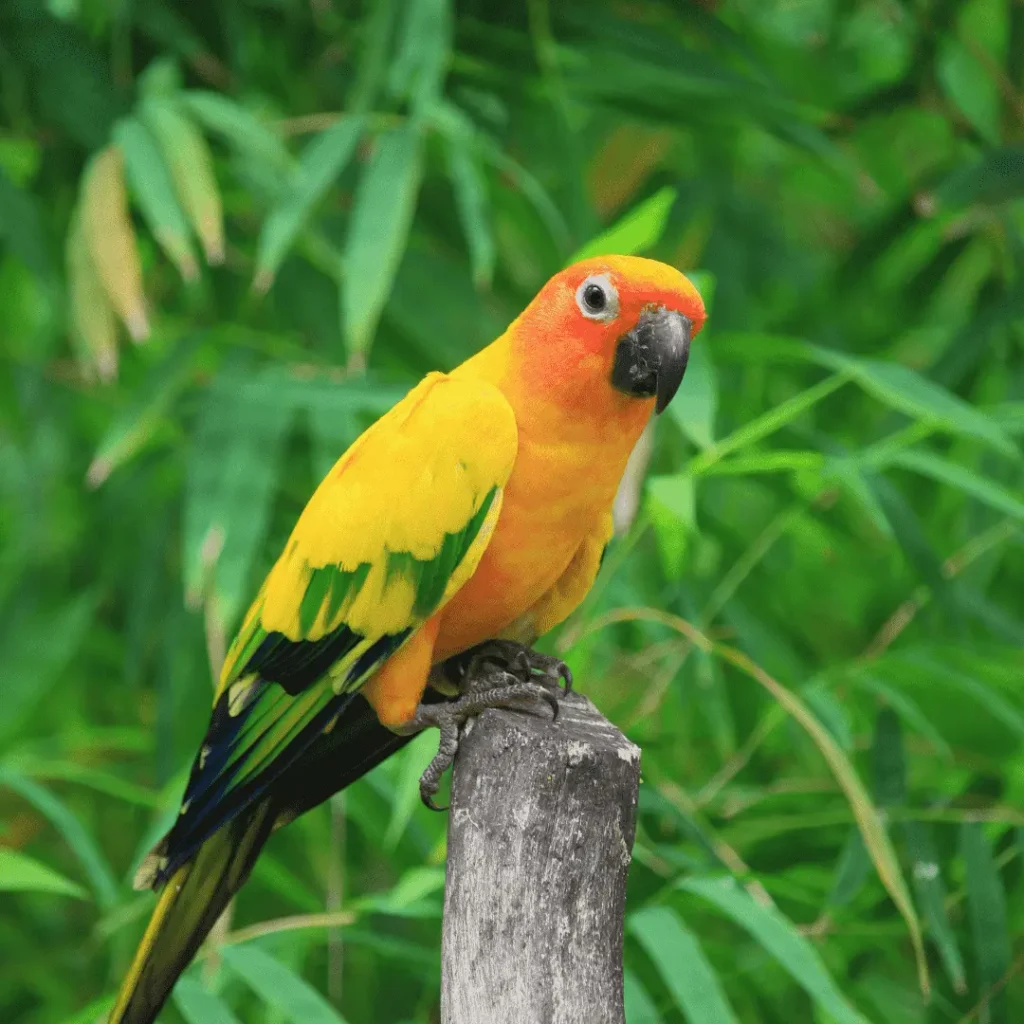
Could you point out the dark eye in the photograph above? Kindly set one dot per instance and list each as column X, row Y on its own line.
column 595, row 298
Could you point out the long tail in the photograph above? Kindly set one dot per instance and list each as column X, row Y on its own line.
column 192, row 900
column 198, row 891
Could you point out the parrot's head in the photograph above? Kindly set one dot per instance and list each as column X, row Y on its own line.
column 612, row 330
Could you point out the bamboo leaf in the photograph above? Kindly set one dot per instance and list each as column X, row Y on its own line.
column 92, row 323
column 997, row 177
column 21, row 227
column 412, row 761
column 779, row 938
column 278, row 986
column 697, row 406
column 128, row 432
column 382, row 213
column 638, row 1005
column 248, row 134
column 889, row 760
column 21, row 873
column 911, row 714
column 199, row 1005
column 852, row 869
column 768, row 423
column 110, row 239
column 926, row 874
column 467, row 180
column 683, row 967
column 191, row 165
column 231, row 475
column 421, row 63
column 986, row 904
column 320, row 165
column 637, row 231
column 151, row 185
column 78, row 839
column 988, row 492
column 868, row 819
column 901, row 388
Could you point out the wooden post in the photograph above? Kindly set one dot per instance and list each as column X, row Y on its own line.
column 540, row 837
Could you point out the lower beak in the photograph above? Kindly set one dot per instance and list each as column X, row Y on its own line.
column 650, row 360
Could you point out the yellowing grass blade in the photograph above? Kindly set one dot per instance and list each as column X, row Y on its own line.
column 91, row 318
column 110, row 239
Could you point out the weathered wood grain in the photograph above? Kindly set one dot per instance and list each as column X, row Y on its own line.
column 539, row 843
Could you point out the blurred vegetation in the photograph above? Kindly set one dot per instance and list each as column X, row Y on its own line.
column 813, row 623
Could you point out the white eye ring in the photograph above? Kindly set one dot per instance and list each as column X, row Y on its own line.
column 597, row 298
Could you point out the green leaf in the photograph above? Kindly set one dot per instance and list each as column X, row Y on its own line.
column 418, row 70
column 133, row 427
column 852, row 869
column 696, row 404
column 970, row 86
column 683, row 967
column 198, row 1005
column 411, row 763
column 637, row 231
column 234, row 461
column 901, row 388
column 149, row 180
column 931, row 897
column 908, row 711
column 768, row 423
column 980, row 694
column 279, row 986
column 988, row 492
column 320, row 165
column 470, row 190
column 893, row 384
column 250, row 136
column 986, row 905
column 889, row 760
column 638, row 1004
column 671, row 504
column 38, row 643
column 93, row 1013
column 869, row 821
column 21, row 227
column 910, row 535
column 779, row 938
column 382, row 213
column 71, row 829
column 997, row 177
column 21, row 873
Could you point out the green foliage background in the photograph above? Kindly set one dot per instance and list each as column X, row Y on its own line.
column 829, row 526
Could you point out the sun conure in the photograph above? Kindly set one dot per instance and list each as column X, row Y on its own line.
column 477, row 509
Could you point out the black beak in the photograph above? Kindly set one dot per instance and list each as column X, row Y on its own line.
column 651, row 359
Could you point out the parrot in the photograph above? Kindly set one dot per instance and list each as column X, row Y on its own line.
column 460, row 527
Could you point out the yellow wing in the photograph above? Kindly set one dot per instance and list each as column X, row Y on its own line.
column 392, row 532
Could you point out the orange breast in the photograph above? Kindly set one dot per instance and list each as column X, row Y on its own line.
column 556, row 496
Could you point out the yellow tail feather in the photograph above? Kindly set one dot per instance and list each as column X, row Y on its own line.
column 192, row 900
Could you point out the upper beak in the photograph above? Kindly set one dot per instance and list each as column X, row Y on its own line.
column 651, row 358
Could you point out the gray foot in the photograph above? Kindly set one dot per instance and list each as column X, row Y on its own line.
column 526, row 664
column 498, row 674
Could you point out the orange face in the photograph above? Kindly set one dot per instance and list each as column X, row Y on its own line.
column 614, row 327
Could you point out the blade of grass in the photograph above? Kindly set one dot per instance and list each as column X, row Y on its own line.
column 865, row 813
column 777, row 936
column 683, row 966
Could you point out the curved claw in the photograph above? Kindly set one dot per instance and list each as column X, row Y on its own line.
column 428, row 801
column 566, row 673
column 552, row 700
